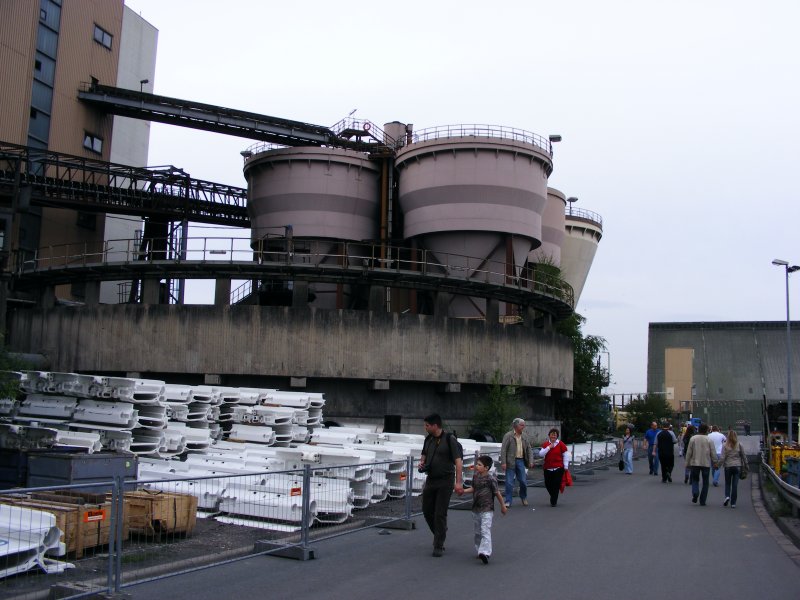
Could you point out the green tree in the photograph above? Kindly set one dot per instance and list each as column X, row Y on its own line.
column 586, row 414
column 9, row 382
column 646, row 409
column 501, row 406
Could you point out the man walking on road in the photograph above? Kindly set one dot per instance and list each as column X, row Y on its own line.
column 700, row 457
column 441, row 460
column 516, row 457
column 718, row 439
column 652, row 457
column 665, row 451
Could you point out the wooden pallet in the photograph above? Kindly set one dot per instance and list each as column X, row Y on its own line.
column 155, row 513
column 83, row 525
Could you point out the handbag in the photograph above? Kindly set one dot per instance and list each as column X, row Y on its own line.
column 566, row 480
column 621, row 464
column 745, row 469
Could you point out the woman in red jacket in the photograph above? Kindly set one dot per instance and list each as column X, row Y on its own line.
column 556, row 461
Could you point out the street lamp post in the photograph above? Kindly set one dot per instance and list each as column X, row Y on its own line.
column 788, row 269
column 608, row 365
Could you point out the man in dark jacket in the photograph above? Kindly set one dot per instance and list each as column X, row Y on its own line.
column 441, row 460
column 665, row 451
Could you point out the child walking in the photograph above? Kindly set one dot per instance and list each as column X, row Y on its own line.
column 484, row 490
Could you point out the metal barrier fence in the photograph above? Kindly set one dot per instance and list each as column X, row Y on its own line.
column 78, row 540
column 789, row 493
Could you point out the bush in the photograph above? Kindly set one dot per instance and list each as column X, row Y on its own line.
column 501, row 406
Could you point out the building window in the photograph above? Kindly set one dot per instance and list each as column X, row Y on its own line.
column 102, row 37
column 93, row 143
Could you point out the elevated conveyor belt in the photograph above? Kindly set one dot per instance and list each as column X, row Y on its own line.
column 207, row 117
column 47, row 178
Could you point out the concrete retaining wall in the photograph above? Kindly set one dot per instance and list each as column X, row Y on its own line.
column 287, row 342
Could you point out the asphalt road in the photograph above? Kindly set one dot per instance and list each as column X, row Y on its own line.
column 611, row 536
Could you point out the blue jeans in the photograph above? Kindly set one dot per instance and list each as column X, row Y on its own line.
column 732, row 483
column 652, row 460
column 715, row 476
column 519, row 472
column 695, row 477
column 627, row 457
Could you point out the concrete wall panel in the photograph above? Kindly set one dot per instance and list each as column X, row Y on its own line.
column 277, row 341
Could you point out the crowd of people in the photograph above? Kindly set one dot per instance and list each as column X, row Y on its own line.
column 706, row 456
column 707, row 453
column 442, row 462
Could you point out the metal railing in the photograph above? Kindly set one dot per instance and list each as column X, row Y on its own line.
column 309, row 257
column 494, row 131
column 788, row 493
column 68, row 181
column 581, row 213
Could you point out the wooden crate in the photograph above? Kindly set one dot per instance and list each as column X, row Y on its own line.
column 154, row 513
column 83, row 526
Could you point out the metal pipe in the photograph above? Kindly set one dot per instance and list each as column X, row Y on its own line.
column 306, row 518
column 788, row 269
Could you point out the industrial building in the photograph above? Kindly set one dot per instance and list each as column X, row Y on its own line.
column 726, row 373
column 394, row 269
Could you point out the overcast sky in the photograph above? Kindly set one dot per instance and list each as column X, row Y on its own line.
column 679, row 121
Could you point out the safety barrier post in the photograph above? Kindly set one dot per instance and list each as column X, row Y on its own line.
column 117, row 524
column 112, row 538
column 409, row 485
column 306, row 520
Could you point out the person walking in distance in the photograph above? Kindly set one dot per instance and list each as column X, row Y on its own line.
column 718, row 439
column 652, row 456
column 626, row 448
column 484, row 490
column 556, row 461
column 732, row 460
column 700, row 457
column 441, row 460
column 516, row 457
column 691, row 430
column 665, row 451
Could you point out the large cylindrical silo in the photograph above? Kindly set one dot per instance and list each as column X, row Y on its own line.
column 552, row 230
column 325, row 194
column 474, row 196
column 584, row 229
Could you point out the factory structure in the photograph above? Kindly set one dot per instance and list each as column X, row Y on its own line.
column 726, row 373
column 395, row 269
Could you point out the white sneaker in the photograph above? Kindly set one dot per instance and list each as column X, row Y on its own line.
column 727, row 500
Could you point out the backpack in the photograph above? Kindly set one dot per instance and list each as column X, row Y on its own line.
column 452, row 442
column 451, row 438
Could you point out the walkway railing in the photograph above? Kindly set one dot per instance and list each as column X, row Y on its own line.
column 788, row 493
column 581, row 213
column 495, row 131
column 304, row 259
column 80, row 183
